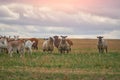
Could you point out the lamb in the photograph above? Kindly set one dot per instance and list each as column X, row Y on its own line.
column 28, row 46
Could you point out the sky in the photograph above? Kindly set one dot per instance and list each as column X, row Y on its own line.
column 74, row 18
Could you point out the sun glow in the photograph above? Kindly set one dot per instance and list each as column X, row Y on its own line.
column 64, row 4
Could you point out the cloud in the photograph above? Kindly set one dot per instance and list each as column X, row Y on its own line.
column 31, row 28
column 33, row 31
column 12, row 30
column 96, row 19
column 41, row 32
column 113, row 34
column 7, row 14
column 107, row 8
column 68, row 18
column 45, row 16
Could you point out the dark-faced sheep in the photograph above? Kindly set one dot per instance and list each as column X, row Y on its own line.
column 57, row 41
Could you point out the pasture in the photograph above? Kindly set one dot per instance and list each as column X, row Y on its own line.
column 82, row 63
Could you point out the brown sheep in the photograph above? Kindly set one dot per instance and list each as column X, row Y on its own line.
column 35, row 44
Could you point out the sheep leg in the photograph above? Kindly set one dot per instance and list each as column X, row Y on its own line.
column 67, row 51
column 30, row 51
column 99, row 49
column 10, row 51
column 102, row 50
column 61, row 51
column 106, row 50
column 22, row 53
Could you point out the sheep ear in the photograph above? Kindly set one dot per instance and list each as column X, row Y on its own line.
column 98, row 36
column 55, row 36
column 61, row 36
column 14, row 36
column 101, row 36
column 33, row 42
column 9, row 37
column 50, row 37
column 66, row 36
column 3, row 36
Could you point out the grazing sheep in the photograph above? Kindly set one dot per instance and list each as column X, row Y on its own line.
column 48, row 45
column 64, row 46
column 102, row 45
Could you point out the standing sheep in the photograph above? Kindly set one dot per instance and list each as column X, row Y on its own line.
column 48, row 45
column 101, row 45
column 17, row 45
column 28, row 46
column 3, row 44
column 57, row 41
column 64, row 46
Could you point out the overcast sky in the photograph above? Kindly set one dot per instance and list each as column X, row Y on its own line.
column 74, row 18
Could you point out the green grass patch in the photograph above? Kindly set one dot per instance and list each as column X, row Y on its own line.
column 23, row 75
column 74, row 61
column 100, row 65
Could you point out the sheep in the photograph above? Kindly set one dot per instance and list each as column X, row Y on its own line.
column 17, row 45
column 28, row 45
column 57, row 41
column 48, row 45
column 3, row 44
column 64, row 46
column 102, row 45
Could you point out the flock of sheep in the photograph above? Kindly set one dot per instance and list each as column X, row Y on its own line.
column 63, row 44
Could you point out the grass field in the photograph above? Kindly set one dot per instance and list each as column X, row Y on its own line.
column 82, row 63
